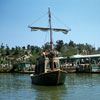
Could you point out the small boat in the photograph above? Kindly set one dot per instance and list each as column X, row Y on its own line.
column 47, row 70
column 45, row 75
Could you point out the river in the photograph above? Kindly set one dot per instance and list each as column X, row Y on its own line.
column 77, row 87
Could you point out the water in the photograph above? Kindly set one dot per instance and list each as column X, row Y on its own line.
column 77, row 87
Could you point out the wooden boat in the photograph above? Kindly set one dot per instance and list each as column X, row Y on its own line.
column 51, row 78
column 47, row 70
column 44, row 75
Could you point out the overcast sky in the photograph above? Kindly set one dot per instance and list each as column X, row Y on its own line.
column 82, row 16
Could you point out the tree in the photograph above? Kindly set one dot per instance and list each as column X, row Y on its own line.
column 59, row 45
column 7, row 50
column 72, row 44
column 28, row 47
column 46, row 46
column 68, row 51
column 16, row 51
column 23, row 48
column 2, row 46
column 2, row 50
column 37, row 49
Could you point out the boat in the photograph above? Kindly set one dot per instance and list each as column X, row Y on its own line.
column 47, row 70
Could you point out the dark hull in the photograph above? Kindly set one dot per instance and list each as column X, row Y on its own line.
column 50, row 78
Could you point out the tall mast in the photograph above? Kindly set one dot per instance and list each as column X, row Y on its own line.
column 51, row 42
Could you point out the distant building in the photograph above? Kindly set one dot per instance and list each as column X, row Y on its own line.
column 24, row 65
column 83, row 63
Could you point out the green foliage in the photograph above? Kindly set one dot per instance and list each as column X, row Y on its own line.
column 28, row 47
column 68, row 51
column 72, row 44
column 5, row 70
column 30, row 53
column 16, row 67
column 59, row 45
column 33, row 60
column 46, row 46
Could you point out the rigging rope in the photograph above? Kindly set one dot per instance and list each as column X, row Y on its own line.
column 38, row 19
column 61, row 22
column 54, row 17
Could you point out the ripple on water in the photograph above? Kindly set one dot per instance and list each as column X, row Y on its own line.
column 77, row 87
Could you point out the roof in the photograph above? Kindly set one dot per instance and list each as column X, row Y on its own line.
column 62, row 57
column 85, row 56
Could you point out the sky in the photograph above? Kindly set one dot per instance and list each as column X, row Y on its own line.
column 81, row 16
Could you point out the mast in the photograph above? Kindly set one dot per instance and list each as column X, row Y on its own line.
column 51, row 42
column 65, row 31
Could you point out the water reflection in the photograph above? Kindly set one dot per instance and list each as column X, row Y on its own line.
column 50, row 92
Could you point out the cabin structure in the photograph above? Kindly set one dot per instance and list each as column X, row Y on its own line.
column 44, row 65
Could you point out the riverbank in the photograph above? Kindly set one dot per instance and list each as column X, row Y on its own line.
column 11, row 70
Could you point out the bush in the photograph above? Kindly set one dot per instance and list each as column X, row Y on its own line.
column 5, row 70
